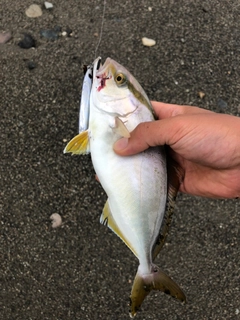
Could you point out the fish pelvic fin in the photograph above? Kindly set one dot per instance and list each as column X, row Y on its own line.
column 156, row 280
column 79, row 144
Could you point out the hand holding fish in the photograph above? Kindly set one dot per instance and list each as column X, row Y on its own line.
column 204, row 143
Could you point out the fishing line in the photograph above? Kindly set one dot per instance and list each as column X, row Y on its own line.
column 101, row 30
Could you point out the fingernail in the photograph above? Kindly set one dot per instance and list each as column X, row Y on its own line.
column 121, row 144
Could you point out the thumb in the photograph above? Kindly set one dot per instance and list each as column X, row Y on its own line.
column 145, row 135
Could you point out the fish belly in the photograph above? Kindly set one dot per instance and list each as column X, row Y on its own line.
column 136, row 187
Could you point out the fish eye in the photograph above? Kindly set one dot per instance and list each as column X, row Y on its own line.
column 120, row 78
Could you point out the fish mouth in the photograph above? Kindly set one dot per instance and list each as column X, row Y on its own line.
column 101, row 74
column 108, row 65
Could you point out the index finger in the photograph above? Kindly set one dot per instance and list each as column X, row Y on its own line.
column 167, row 110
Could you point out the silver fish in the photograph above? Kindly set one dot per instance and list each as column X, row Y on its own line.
column 141, row 188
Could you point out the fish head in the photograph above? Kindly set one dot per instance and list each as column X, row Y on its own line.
column 111, row 80
column 115, row 90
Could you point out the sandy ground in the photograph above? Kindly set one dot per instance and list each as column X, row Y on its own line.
column 81, row 270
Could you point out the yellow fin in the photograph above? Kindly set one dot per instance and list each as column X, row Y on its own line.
column 108, row 220
column 121, row 129
column 79, row 144
column 156, row 280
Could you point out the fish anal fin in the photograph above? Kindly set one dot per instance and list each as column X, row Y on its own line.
column 145, row 283
column 108, row 220
column 175, row 176
column 120, row 128
column 79, row 144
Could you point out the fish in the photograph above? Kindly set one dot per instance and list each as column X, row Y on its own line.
column 141, row 188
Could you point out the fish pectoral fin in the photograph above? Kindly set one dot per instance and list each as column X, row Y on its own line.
column 107, row 219
column 120, row 128
column 79, row 144
column 157, row 280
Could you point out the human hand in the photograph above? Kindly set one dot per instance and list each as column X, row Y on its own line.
column 205, row 144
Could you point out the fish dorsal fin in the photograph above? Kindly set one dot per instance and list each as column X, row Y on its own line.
column 107, row 219
column 121, row 129
column 175, row 176
column 79, row 144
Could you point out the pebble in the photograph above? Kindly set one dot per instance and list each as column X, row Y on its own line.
column 5, row 37
column 27, row 42
column 31, row 65
column 33, row 11
column 57, row 28
column 48, row 5
column 69, row 32
column 56, row 220
column 222, row 104
column 201, row 94
column 49, row 34
column 148, row 42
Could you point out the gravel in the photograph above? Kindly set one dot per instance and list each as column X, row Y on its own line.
column 81, row 270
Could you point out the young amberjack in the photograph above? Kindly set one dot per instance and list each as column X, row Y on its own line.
column 141, row 188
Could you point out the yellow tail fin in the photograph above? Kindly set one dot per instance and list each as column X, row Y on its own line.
column 157, row 280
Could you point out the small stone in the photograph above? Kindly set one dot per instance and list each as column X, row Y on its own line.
column 5, row 37
column 31, row 65
column 149, row 8
column 148, row 42
column 49, row 34
column 56, row 220
column 201, row 94
column 69, row 32
column 48, row 5
column 27, row 42
column 222, row 104
column 33, row 11
column 57, row 28
column 64, row 33
column 205, row 8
